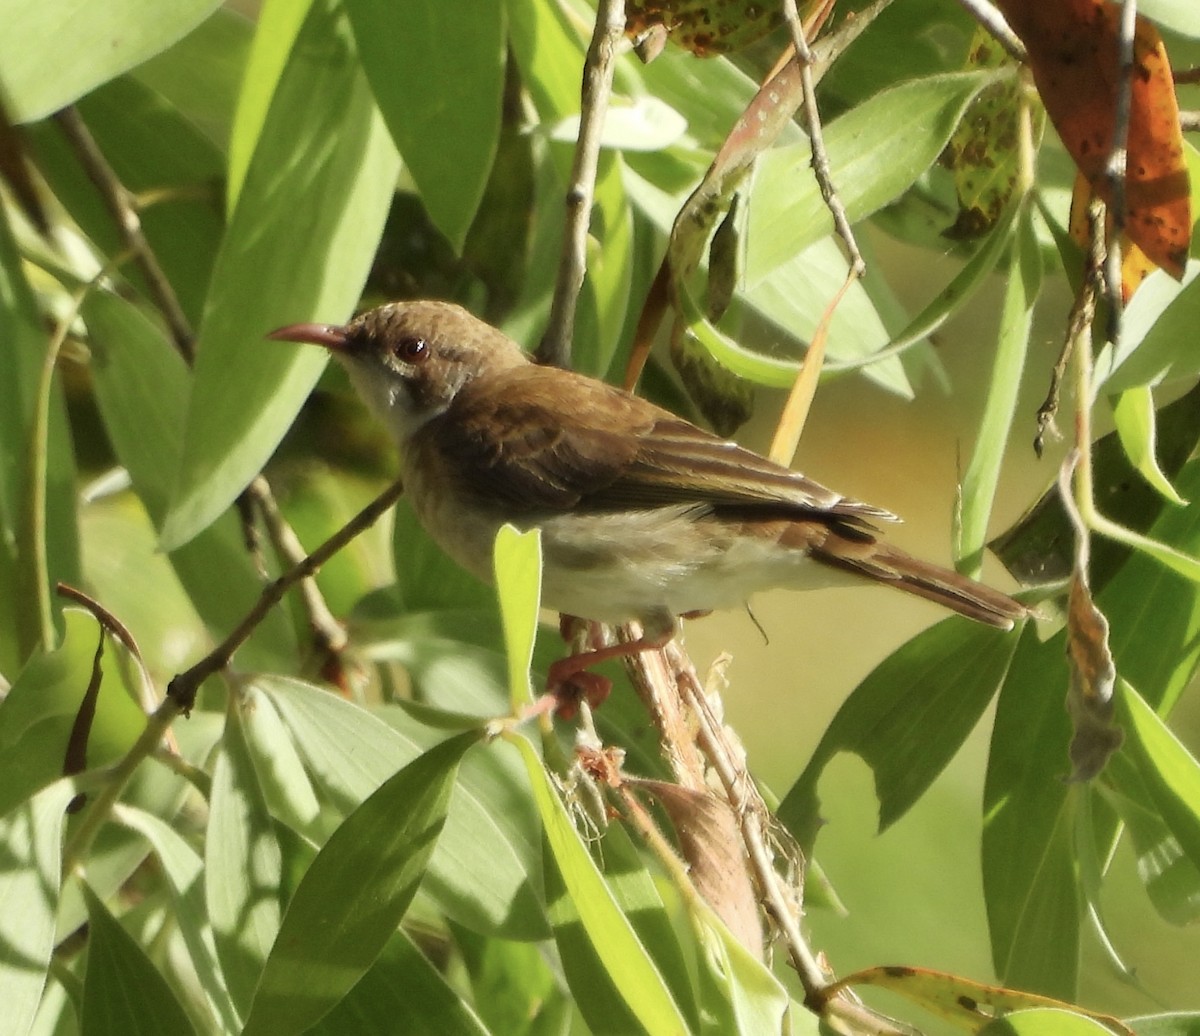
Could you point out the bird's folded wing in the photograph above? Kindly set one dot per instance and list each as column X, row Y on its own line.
column 611, row 451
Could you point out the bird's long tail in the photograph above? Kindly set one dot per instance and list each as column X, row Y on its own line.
column 886, row 564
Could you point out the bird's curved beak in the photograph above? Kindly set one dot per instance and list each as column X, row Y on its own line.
column 331, row 336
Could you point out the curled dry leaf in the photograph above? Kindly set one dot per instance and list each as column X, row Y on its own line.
column 710, row 842
column 1072, row 46
column 1093, row 676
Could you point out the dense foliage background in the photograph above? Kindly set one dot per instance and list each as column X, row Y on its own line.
column 246, row 868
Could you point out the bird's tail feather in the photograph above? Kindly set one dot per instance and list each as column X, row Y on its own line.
column 943, row 586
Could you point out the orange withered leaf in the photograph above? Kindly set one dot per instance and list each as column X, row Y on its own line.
column 1072, row 47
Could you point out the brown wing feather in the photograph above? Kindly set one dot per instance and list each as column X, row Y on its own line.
column 612, row 451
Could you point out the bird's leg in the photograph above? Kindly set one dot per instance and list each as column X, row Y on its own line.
column 570, row 679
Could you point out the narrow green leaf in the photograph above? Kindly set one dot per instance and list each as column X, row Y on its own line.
column 403, row 993
column 1160, row 355
column 184, row 872
column 625, row 960
column 31, row 850
column 738, row 991
column 202, row 75
column 286, row 788
column 907, row 719
column 351, row 752
column 123, row 993
column 355, row 893
column 87, row 44
column 298, row 247
column 973, row 274
column 279, row 23
column 436, row 68
column 1030, row 882
column 1133, row 411
column 1170, row 772
column 141, row 387
column 876, row 151
column 1171, row 879
column 518, row 565
column 983, row 470
column 243, row 866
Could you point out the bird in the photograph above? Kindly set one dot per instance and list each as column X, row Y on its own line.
column 644, row 516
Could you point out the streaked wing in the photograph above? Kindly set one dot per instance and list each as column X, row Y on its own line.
column 609, row 451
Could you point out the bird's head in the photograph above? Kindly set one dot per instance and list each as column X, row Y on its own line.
column 408, row 360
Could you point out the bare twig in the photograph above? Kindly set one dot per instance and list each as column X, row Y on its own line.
column 1114, row 171
column 820, row 158
column 182, row 689
column 330, row 635
column 555, row 347
column 121, row 207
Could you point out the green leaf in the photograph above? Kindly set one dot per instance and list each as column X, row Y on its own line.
column 403, row 992
column 243, row 870
column 183, row 869
column 436, row 68
column 1159, row 355
column 298, row 247
column 1133, row 412
column 585, row 895
column 355, row 892
column 202, row 75
column 123, row 993
column 876, row 152
column 31, row 850
column 1030, row 881
column 286, row 787
column 518, row 565
column 159, row 156
column 87, row 44
column 907, row 718
column 279, row 23
column 1170, row 772
column 350, row 753
column 983, row 470
column 1171, row 879
column 141, row 387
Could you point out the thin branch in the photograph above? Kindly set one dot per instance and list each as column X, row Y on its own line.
column 121, row 207
column 330, row 634
column 182, row 689
column 820, row 158
column 555, row 347
column 1118, row 157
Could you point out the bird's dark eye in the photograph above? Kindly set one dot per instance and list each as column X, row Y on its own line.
column 412, row 350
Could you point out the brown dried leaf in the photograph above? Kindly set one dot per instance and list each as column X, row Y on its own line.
column 1093, row 676
column 967, row 1003
column 1072, row 47
column 711, row 844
